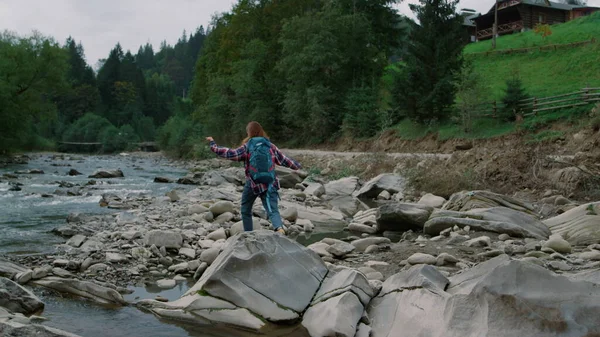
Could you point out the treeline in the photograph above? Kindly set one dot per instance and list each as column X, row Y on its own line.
column 50, row 94
column 312, row 71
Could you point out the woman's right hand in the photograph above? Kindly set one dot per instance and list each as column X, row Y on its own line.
column 210, row 139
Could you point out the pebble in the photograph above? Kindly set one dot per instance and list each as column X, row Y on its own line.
column 420, row 258
column 504, row 237
column 166, row 284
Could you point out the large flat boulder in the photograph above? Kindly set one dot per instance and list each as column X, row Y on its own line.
column 322, row 218
column 384, row 182
column 85, row 289
column 250, row 283
column 500, row 220
column 500, row 297
column 18, row 299
column 579, row 226
column 468, row 200
column 402, row 217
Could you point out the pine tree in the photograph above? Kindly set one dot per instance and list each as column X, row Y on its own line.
column 513, row 95
column 434, row 57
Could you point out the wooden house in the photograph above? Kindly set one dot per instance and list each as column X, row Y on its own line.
column 520, row 15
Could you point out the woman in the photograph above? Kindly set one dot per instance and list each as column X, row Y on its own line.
column 260, row 175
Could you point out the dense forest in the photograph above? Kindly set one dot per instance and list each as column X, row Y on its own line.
column 310, row 71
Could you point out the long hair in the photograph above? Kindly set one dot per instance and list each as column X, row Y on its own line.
column 254, row 129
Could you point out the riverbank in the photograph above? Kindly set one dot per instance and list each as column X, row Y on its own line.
column 379, row 227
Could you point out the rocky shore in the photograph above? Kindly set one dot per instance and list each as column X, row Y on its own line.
column 407, row 264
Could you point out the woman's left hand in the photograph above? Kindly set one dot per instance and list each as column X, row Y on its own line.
column 210, row 139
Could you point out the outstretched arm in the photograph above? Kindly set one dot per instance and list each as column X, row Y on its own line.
column 238, row 154
column 282, row 160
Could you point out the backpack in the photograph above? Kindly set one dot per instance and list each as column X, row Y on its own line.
column 261, row 166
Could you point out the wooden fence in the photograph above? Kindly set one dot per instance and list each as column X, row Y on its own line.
column 535, row 105
column 532, row 49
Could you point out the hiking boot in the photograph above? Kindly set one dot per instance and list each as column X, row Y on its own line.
column 280, row 230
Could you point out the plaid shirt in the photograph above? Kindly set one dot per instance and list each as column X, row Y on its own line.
column 241, row 154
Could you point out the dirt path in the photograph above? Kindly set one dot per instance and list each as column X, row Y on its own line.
column 349, row 155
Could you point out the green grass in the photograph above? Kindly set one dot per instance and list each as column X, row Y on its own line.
column 544, row 73
column 582, row 29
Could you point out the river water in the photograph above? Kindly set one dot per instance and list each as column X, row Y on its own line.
column 26, row 219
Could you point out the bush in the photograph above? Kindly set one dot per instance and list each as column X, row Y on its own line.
column 513, row 95
column 86, row 129
column 181, row 137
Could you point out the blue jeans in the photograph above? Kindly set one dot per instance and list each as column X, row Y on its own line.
column 248, row 198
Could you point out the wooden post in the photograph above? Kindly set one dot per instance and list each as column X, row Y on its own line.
column 534, row 105
column 495, row 110
column 495, row 29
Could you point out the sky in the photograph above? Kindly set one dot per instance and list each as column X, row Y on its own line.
column 100, row 24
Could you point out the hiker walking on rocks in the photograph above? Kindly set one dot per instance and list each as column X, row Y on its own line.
column 260, row 157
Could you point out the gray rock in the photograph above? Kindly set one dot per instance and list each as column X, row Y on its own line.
column 9, row 269
column 196, row 209
column 179, row 268
column 527, row 226
column 593, row 255
column 116, row 258
column 92, row 246
column 173, row 196
column 432, row 200
column 61, row 273
column 236, row 285
column 18, row 299
column 342, row 187
column 103, row 174
column 221, row 207
column 445, row 259
column 482, row 241
column 362, row 244
column 166, row 284
column 13, row 328
column 131, row 235
column 492, row 295
column 223, row 218
column 503, row 237
column 558, row 244
column 341, row 249
column 315, row 189
column 200, row 271
column 320, row 248
column 24, row 277
column 306, row 225
column 579, row 226
column 209, row 255
column 469, row 200
column 89, row 290
column 402, row 217
column 337, row 316
column 188, row 252
column 141, row 253
column 39, row 273
column 77, row 240
column 384, row 195
column 420, row 258
column 98, row 267
column 165, row 239
column 356, row 227
column 219, row 234
column 290, row 214
column 289, row 178
column 384, row 182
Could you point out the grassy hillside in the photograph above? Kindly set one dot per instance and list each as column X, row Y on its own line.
column 544, row 73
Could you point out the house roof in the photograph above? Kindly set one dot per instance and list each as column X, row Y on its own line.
column 468, row 20
column 544, row 3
